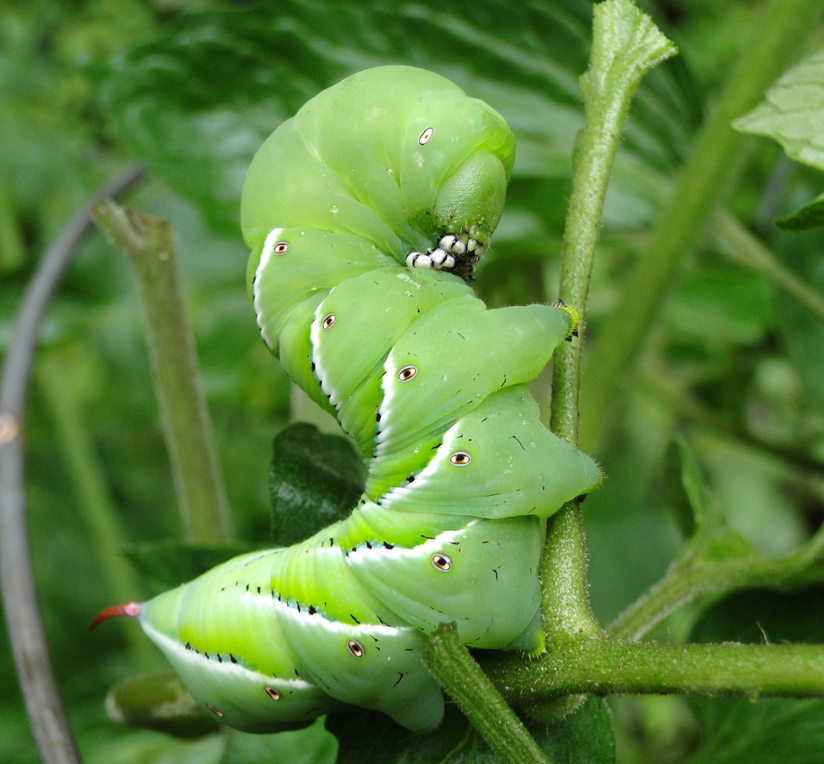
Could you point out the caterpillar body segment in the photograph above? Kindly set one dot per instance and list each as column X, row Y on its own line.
column 366, row 214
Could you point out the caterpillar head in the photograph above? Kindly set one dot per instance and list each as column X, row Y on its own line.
column 454, row 175
column 396, row 155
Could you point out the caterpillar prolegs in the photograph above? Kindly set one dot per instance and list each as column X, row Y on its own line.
column 366, row 214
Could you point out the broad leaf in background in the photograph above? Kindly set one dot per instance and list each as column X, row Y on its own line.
column 583, row 737
column 809, row 216
column 314, row 481
column 792, row 113
column 313, row 745
column 683, row 487
column 196, row 105
column 743, row 731
column 171, row 562
column 159, row 702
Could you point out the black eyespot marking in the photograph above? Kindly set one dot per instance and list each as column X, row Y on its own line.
column 281, row 248
column 426, row 135
column 214, row 710
column 441, row 562
column 355, row 647
column 407, row 373
column 272, row 692
column 329, row 321
column 460, row 459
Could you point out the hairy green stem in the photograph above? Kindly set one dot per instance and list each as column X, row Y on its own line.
column 450, row 663
column 626, row 44
column 690, row 577
column 148, row 242
column 602, row 667
column 772, row 46
column 94, row 499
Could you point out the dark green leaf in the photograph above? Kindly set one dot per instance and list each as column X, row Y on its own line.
column 171, row 563
column 809, row 216
column 760, row 615
column 313, row 745
column 314, row 481
column 196, row 105
column 740, row 731
column 684, row 491
column 802, row 332
column 158, row 702
column 583, row 737
column 767, row 732
column 730, row 306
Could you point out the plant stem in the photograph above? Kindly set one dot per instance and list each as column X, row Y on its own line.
column 602, row 667
column 626, row 44
column 148, row 243
column 44, row 708
column 94, row 499
column 457, row 672
column 773, row 45
column 689, row 578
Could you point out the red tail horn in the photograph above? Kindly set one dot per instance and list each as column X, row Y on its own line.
column 130, row 609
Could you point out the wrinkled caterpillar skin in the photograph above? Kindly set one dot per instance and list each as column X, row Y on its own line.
column 428, row 382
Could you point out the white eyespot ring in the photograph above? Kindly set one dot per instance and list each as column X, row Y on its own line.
column 355, row 647
column 272, row 692
column 329, row 321
column 426, row 135
column 407, row 373
column 441, row 562
column 281, row 248
column 460, row 459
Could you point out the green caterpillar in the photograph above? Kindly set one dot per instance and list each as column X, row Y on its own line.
column 366, row 214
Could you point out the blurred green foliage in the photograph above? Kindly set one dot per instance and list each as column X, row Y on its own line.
column 190, row 89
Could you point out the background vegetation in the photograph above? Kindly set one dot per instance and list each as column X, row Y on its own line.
column 732, row 363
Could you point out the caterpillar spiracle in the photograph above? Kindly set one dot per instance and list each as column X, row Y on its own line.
column 366, row 214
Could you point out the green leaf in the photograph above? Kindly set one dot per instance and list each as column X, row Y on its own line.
column 314, row 481
column 731, row 306
column 146, row 747
column 809, row 216
column 761, row 615
column 312, row 745
column 159, row 702
column 583, row 737
column 196, row 105
column 792, row 112
column 684, row 486
column 740, row 731
column 767, row 732
column 170, row 563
